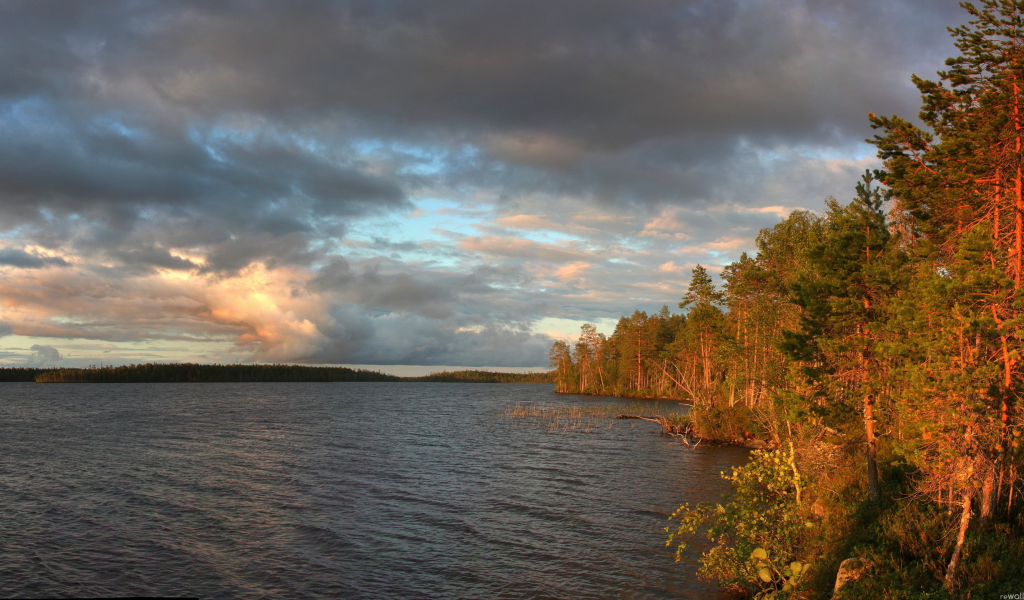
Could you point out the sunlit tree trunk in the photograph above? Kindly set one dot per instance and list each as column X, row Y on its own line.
column 965, row 521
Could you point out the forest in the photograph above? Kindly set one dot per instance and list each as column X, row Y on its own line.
column 19, row 374
column 877, row 346
column 472, row 376
column 192, row 373
column 189, row 372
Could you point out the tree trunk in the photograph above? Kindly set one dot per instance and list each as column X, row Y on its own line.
column 997, row 202
column 1018, row 234
column 965, row 521
column 874, row 494
column 639, row 361
column 1013, row 484
column 988, row 489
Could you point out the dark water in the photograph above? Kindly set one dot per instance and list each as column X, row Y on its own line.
column 376, row 490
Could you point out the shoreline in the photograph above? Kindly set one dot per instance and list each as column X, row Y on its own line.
column 249, row 373
column 680, row 400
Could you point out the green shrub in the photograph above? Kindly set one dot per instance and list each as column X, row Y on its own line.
column 759, row 536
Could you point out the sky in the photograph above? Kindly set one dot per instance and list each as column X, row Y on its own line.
column 410, row 185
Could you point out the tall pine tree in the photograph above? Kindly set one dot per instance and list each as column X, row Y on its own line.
column 843, row 295
column 956, row 180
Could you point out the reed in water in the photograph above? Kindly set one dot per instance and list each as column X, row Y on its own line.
column 588, row 418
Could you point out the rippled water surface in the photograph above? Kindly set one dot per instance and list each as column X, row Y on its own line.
column 353, row 490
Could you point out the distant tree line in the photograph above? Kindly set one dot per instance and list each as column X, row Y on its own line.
column 189, row 372
column 470, row 376
column 15, row 374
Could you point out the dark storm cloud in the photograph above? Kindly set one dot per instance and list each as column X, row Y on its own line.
column 371, row 288
column 152, row 256
column 607, row 72
column 237, row 253
column 20, row 258
column 140, row 103
column 48, row 161
column 432, row 295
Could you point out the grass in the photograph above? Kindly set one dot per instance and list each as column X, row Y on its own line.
column 587, row 418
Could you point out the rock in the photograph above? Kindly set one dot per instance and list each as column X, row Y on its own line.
column 756, row 444
column 850, row 569
column 818, row 508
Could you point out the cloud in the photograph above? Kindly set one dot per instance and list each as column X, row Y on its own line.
column 780, row 211
column 573, row 271
column 671, row 267
column 416, row 341
column 520, row 249
column 188, row 103
column 665, row 225
column 536, row 150
column 5, row 330
column 192, row 173
column 719, row 245
column 20, row 258
column 398, row 292
column 343, row 312
column 529, row 222
column 44, row 355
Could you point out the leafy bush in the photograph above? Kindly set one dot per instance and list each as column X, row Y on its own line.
column 760, row 536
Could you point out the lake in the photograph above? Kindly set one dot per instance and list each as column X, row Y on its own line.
column 352, row 490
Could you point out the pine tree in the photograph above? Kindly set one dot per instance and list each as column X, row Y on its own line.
column 960, row 179
column 702, row 290
column 587, row 355
column 843, row 297
column 636, row 338
column 561, row 361
column 705, row 324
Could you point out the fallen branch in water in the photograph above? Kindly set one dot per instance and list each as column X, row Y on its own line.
column 680, row 431
column 686, row 434
column 655, row 419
